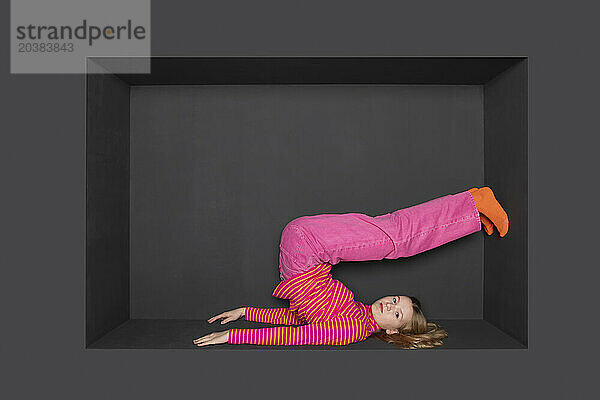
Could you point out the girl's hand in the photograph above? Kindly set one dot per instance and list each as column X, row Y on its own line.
column 229, row 315
column 212, row 338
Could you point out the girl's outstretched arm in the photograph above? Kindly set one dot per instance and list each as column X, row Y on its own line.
column 338, row 331
column 279, row 316
column 270, row 315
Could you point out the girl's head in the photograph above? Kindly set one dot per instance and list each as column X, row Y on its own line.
column 403, row 323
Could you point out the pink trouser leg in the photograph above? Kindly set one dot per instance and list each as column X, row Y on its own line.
column 311, row 240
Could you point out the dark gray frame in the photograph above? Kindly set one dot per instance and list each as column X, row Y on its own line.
column 504, row 81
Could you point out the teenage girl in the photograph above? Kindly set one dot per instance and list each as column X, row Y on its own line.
column 322, row 310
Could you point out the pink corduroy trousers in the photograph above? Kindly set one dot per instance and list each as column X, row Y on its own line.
column 312, row 240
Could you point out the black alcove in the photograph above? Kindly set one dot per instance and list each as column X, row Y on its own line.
column 194, row 170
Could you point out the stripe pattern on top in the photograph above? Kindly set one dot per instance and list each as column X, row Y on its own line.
column 322, row 312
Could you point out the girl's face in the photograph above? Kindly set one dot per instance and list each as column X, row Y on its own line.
column 392, row 312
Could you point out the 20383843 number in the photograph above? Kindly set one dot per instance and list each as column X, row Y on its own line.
column 46, row 47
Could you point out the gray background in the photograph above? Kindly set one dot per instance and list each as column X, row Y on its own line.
column 218, row 171
column 42, row 160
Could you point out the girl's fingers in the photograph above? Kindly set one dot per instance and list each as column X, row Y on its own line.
column 205, row 343
column 222, row 315
column 212, row 338
column 214, row 318
column 204, row 338
column 200, row 339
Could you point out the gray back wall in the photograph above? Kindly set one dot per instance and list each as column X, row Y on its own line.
column 217, row 172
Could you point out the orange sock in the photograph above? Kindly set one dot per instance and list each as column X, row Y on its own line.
column 488, row 206
column 488, row 226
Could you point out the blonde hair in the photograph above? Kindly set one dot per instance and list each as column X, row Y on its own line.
column 416, row 334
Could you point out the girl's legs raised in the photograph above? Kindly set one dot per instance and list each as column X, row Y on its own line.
column 311, row 240
column 431, row 224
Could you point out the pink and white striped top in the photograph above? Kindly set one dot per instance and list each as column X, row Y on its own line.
column 322, row 312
